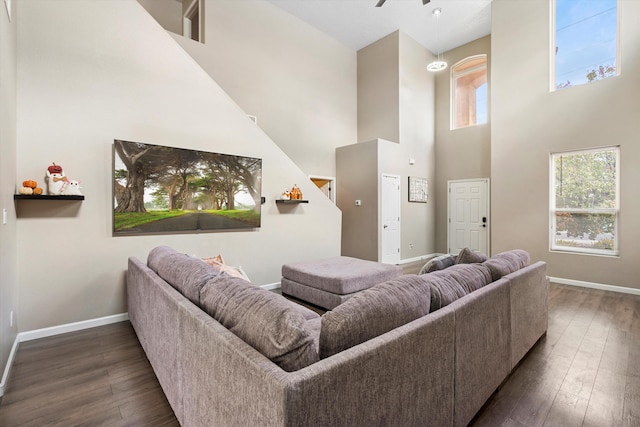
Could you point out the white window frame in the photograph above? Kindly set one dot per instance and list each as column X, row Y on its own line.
column 457, row 74
column 553, row 210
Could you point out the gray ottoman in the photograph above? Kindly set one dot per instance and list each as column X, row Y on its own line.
column 329, row 282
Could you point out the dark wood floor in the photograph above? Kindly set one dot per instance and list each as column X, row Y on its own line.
column 586, row 371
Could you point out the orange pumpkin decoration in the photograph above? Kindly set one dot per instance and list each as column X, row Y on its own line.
column 29, row 183
column 37, row 190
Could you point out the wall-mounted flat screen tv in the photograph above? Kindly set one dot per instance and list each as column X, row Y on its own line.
column 158, row 189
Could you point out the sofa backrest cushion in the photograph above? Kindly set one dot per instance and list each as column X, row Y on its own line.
column 469, row 276
column 468, row 256
column 373, row 312
column 185, row 273
column 443, row 290
column 438, row 263
column 507, row 262
column 263, row 319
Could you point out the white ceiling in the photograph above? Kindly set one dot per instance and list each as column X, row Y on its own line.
column 358, row 23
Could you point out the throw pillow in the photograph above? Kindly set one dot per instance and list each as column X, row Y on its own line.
column 438, row 263
column 373, row 312
column 507, row 262
column 264, row 320
column 218, row 263
column 468, row 256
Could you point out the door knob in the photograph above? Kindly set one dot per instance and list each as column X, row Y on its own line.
column 385, row 226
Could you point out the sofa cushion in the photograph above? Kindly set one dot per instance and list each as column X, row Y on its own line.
column 468, row 256
column 469, row 276
column 263, row 319
column 185, row 273
column 443, row 290
column 438, row 263
column 507, row 262
column 373, row 312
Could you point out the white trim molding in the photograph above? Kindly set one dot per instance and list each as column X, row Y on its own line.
column 418, row 258
column 271, row 286
column 55, row 330
column 591, row 285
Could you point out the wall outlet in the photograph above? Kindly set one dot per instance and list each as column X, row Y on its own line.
column 358, row 202
column 4, row 216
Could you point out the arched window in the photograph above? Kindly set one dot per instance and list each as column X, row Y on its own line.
column 469, row 92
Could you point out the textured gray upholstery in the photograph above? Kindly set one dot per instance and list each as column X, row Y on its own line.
column 186, row 274
column 340, row 275
column 373, row 312
column 507, row 262
column 469, row 276
column 438, row 263
column 529, row 289
column 315, row 296
column 443, row 290
column 482, row 348
column 264, row 320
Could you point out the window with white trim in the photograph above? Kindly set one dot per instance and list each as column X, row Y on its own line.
column 584, row 41
column 585, row 201
column 469, row 92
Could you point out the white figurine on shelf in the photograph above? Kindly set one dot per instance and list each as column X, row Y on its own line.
column 56, row 180
column 72, row 188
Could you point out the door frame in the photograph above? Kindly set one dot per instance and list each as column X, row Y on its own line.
column 487, row 181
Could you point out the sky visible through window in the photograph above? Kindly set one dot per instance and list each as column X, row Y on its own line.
column 586, row 32
column 481, row 105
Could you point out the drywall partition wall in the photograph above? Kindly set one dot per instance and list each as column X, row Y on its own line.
column 378, row 90
column 357, row 180
column 396, row 108
column 462, row 153
column 529, row 122
column 298, row 82
column 415, row 155
column 8, row 231
column 75, row 95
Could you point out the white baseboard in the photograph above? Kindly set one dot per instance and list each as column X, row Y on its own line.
column 54, row 330
column 5, row 375
column 591, row 285
column 418, row 258
column 271, row 286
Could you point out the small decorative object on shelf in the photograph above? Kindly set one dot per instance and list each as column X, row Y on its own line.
column 29, row 187
column 295, row 193
column 58, row 183
column 285, row 195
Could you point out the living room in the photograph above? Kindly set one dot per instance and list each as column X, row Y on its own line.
column 66, row 97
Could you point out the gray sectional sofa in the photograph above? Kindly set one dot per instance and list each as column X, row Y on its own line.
column 228, row 353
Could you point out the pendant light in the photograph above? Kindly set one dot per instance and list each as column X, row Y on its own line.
column 439, row 63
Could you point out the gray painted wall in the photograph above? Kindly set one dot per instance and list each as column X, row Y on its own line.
column 395, row 100
column 298, row 82
column 529, row 122
column 461, row 153
column 8, row 232
column 77, row 94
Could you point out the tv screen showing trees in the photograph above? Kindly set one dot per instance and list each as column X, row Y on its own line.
column 158, row 189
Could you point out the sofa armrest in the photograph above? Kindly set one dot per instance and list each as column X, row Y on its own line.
column 529, row 288
column 403, row 377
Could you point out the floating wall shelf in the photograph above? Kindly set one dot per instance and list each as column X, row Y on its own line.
column 291, row 202
column 45, row 197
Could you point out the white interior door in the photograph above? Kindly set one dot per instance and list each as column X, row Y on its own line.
column 468, row 215
column 390, row 207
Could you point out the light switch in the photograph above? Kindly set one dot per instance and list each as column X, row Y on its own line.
column 4, row 216
column 358, row 202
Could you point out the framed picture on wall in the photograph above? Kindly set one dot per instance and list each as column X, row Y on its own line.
column 418, row 189
column 159, row 189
